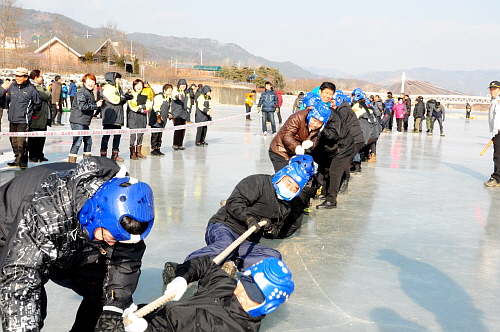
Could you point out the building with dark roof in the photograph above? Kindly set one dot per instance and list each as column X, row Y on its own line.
column 74, row 50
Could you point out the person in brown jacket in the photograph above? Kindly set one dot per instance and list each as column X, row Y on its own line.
column 57, row 101
column 299, row 133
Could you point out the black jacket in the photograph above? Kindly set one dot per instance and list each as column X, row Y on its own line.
column 39, row 212
column 136, row 118
column 23, row 101
column 408, row 106
column 180, row 100
column 161, row 106
column 351, row 121
column 83, row 107
column 431, row 107
column 419, row 109
column 213, row 307
column 114, row 99
column 334, row 140
column 369, row 124
column 253, row 196
column 203, row 106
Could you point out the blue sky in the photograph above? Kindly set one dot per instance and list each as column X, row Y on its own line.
column 352, row 36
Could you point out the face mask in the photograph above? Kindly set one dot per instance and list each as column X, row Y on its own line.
column 283, row 192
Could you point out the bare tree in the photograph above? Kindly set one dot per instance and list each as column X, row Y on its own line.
column 10, row 12
column 111, row 31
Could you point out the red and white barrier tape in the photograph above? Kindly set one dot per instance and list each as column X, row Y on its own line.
column 117, row 131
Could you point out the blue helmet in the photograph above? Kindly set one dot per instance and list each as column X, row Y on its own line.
column 358, row 94
column 339, row 97
column 310, row 99
column 113, row 201
column 320, row 111
column 305, row 161
column 274, row 280
column 298, row 173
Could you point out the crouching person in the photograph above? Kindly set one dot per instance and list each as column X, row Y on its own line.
column 78, row 225
column 221, row 303
column 256, row 198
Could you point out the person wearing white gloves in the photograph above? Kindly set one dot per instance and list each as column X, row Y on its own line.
column 221, row 303
column 299, row 133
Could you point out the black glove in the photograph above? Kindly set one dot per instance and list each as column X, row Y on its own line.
column 267, row 227
column 252, row 221
column 110, row 321
column 128, row 96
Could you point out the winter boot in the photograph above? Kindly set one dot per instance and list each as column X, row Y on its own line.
column 115, row 156
column 492, row 182
column 373, row 158
column 104, row 153
column 154, row 152
column 72, row 158
column 87, row 154
column 169, row 272
column 133, row 154
column 159, row 153
column 343, row 187
column 139, row 153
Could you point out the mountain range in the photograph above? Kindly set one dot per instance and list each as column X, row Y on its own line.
column 161, row 48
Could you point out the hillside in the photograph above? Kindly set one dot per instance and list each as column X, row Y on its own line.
column 469, row 82
column 214, row 53
column 47, row 25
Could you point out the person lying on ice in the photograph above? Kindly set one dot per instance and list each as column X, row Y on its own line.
column 256, row 198
column 81, row 226
column 221, row 303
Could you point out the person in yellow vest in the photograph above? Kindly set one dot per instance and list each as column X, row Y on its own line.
column 249, row 99
column 148, row 91
column 137, row 117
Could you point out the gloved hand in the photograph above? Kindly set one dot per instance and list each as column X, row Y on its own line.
column 267, row 226
column 252, row 221
column 137, row 325
column 299, row 150
column 179, row 284
column 110, row 321
column 258, row 109
column 128, row 96
column 277, row 109
column 133, row 307
column 307, row 144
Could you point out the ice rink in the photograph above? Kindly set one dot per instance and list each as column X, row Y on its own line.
column 413, row 246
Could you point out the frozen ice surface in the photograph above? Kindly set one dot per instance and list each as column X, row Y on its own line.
column 413, row 246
